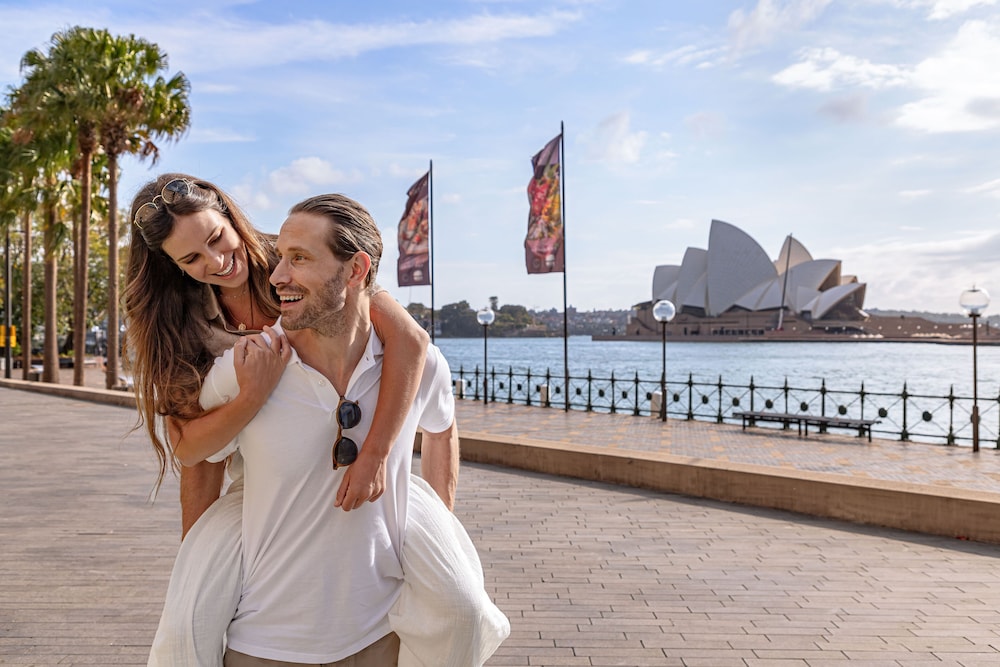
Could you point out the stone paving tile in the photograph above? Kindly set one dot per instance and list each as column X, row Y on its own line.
column 589, row 574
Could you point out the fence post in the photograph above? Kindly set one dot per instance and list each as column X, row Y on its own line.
column 998, row 421
column 613, row 410
column 548, row 388
column 718, row 415
column 822, row 397
column 528, row 388
column 951, row 415
column 690, row 414
column 590, row 391
column 751, row 393
column 635, row 410
column 905, row 433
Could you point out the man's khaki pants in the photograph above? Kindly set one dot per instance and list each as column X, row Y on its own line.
column 382, row 653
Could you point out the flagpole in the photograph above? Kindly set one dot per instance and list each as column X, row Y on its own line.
column 562, row 212
column 430, row 232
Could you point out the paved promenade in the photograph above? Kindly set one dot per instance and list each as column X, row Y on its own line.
column 589, row 574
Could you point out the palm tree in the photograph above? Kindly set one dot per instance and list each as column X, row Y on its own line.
column 17, row 198
column 61, row 90
column 43, row 156
column 140, row 106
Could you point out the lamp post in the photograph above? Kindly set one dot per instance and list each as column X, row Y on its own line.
column 485, row 317
column 663, row 312
column 973, row 302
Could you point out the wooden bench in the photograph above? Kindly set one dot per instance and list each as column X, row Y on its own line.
column 803, row 421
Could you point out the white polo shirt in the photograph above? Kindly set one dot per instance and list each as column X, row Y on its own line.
column 318, row 582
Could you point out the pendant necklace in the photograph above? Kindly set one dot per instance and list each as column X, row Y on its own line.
column 240, row 325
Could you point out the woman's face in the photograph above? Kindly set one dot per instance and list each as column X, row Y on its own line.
column 206, row 247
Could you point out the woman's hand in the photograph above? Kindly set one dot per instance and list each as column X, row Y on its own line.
column 364, row 480
column 260, row 360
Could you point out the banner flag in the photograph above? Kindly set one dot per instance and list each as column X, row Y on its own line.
column 543, row 246
column 414, row 237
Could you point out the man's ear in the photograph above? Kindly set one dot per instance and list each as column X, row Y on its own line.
column 360, row 265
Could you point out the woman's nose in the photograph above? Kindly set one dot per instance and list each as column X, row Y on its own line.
column 218, row 261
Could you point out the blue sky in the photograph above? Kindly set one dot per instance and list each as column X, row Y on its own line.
column 868, row 129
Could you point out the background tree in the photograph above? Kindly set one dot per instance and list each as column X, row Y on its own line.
column 510, row 320
column 140, row 106
column 17, row 201
column 458, row 320
column 61, row 89
column 420, row 313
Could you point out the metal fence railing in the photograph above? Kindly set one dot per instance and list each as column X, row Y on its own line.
column 901, row 416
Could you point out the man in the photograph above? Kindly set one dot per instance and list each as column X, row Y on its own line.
column 322, row 586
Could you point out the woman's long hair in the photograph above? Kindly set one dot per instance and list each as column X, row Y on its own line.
column 165, row 346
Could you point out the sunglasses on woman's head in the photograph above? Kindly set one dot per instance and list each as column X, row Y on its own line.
column 345, row 450
column 171, row 193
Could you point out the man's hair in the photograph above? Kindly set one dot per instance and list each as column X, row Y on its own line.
column 352, row 228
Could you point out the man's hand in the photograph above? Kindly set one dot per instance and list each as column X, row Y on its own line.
column 364, row 480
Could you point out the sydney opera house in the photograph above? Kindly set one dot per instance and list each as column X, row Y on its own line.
column 735, row 288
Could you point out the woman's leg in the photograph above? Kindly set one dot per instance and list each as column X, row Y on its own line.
column 444, row 617
column 204, row 589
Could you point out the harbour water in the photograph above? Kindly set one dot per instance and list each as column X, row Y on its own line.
column 924, row 368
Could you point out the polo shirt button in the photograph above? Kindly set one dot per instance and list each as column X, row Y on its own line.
column 321, row 382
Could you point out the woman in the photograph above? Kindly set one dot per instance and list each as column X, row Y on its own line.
column 197, row 280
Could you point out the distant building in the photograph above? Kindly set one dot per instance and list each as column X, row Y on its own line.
column 736, row 274
column 735, row 288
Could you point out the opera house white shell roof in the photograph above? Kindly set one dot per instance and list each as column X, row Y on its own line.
column 736, row 273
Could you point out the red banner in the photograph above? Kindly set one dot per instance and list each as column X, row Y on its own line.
column 543, row 246
column 414, row 237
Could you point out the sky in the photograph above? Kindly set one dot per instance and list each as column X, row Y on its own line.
column 867, row 129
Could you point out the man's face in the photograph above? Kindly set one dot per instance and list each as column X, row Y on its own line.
column 311, row 282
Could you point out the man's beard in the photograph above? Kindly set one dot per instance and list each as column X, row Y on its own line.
column 325, row 310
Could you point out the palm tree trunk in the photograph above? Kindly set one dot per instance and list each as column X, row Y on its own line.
column 112, row 339
column 80, row 282
column 26, row 328
column 7, row 298
column 50, row 349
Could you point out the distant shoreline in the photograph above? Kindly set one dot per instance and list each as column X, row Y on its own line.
column 818, row 338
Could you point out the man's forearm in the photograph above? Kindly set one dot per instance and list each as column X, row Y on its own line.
column 201, row 485
column 439, row 458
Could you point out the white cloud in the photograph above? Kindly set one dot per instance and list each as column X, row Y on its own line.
column 914, row 194
column 771, row 18
column 284, row 185
column 706, row 124
column 962, row 84
column 683, row 56
column 238, row 45
column 303, row 175
column 904, row 271
column 944, row 9
column 825, row 69
column 613, row 140
column 990, row 188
